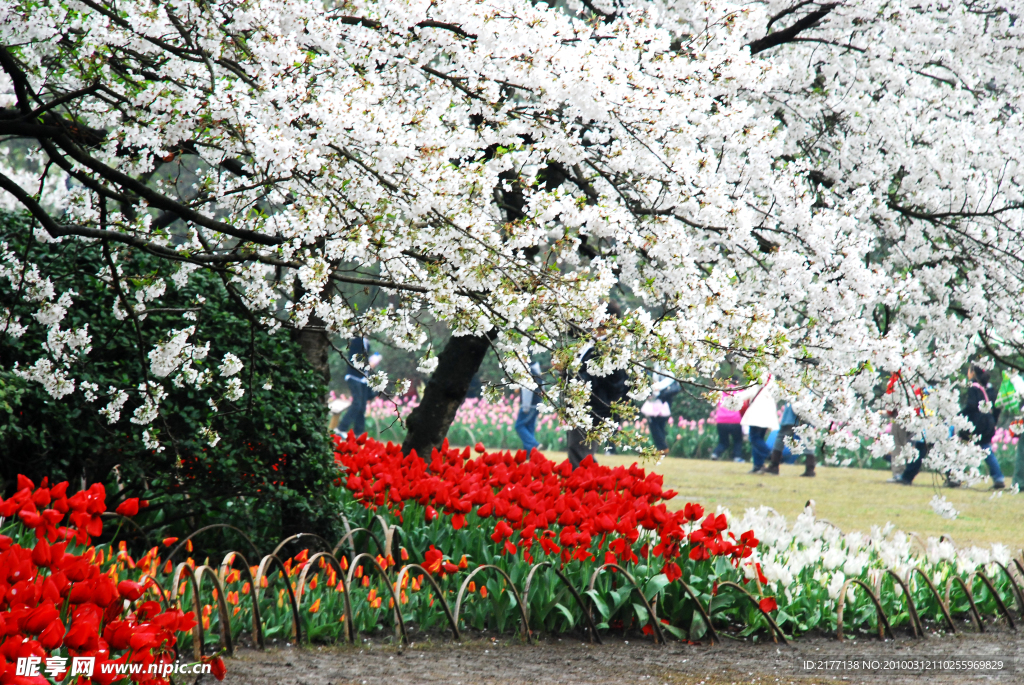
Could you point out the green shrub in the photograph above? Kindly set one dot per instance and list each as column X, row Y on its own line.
column 270, row 471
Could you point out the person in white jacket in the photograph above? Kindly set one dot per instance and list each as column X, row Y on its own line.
column 761, row 417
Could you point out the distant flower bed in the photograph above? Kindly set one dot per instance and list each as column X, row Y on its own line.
column 493, row 425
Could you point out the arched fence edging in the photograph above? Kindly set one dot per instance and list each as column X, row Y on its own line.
column 512, row 588
column 882, row 618
column 188, row 573
column 776, row 630
column 659, row 635
column 592, row 629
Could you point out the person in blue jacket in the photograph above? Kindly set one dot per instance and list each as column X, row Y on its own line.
column 355, row 418
column 526, row 419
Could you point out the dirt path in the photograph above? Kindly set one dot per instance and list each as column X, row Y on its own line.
column 569, row 661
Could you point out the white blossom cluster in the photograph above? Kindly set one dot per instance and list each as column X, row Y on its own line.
column 831, row 209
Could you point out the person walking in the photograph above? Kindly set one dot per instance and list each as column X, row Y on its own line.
column 760, row 417
column 913, row 467
column 658, row 409
column 604, row 392
column 921, row 445
column 983, row 415
column 358, row 354
column 727, row 423
column 526, row 419
column 900, row 439
column 1018, row 466
column 787, row 425
column 984, row 423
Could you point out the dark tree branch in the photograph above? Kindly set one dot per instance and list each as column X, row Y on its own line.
column 789, row 33
column 63, row 99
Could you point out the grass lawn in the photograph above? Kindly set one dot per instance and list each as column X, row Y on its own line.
column 853, row 499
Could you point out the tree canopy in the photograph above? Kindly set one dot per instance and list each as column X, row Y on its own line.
column 826, row 192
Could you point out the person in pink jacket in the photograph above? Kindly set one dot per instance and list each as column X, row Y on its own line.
column 727, row 421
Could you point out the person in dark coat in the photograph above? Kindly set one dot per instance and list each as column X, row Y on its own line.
column 605, row 391
column 983, row 415
column 980, row 393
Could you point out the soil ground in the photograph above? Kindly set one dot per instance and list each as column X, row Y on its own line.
column 568, row 661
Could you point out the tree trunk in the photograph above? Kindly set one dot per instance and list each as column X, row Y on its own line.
column 456, row 365
column 313, row 341
column 315, row 347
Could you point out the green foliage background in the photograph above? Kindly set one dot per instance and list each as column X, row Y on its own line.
column 270, row 474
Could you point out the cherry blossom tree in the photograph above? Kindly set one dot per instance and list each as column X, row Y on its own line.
column 826, row 192
column 906, row 116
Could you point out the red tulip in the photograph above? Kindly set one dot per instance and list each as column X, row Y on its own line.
column 39, row 618
column 131, row 590
column 50, row 592
column 432, row 560
column 693, row 512
column 218, row 669
column 100, row 591
column 117, row 634
column 41, row 497
column 83, row 635
column 549, row 546
column 768, row 604
column 41, row 553
column 129, row 507
column 148, row 610
column 699, row 553
column 31, row 519
column 501, row 531
column 52, row 636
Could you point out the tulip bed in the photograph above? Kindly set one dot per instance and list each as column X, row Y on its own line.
column 526, row 515
column 62, row 597
column 471, row 540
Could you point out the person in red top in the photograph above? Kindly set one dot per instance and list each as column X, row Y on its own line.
column 727, row 421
